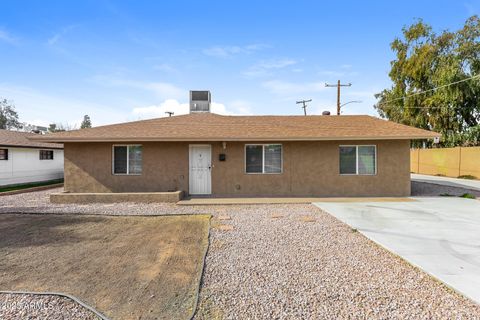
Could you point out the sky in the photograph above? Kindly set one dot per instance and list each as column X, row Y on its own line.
column 127, row 60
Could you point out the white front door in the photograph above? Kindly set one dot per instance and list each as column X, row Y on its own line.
column 200, row 178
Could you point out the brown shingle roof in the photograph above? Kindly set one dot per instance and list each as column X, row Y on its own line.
column 214, row 127
column 20, row 139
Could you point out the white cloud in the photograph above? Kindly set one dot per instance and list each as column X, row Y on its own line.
column 236, row 107
column 57, row 36
column 39, row 108
column 164, row 67
column 7, row 37
column 162, row 90
column 263, row 67
column 157, row 111
column 332, row 73
column 286, row 88
column 230, row 51
column 345, row 70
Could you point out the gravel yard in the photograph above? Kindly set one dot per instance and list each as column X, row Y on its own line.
column 25, row 306
column 291, row 262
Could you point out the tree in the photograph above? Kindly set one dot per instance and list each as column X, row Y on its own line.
column 86, row 123
column 8, row 115
column 52, row 127
column 426, row 61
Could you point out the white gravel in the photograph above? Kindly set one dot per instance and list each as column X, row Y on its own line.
column 25, row 306
column 290, row 262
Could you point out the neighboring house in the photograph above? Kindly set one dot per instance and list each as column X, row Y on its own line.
column 208, row 154
column 24, row 161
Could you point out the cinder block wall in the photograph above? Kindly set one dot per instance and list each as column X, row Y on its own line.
column 450, row 162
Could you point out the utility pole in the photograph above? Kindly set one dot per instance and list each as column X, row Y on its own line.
column 338, row 85
column 304, row 102
column 170, row 113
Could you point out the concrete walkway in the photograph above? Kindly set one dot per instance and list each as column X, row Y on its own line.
column 439, row 235
column 446, row 181
column 285, row 200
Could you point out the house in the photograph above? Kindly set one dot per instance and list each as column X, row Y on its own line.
column 24, row 161
column 202, row 153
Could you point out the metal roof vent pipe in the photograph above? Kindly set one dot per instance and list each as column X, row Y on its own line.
column 200, row 101
column 325, row 113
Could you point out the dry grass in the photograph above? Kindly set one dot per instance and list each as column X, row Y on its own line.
column 125, row 267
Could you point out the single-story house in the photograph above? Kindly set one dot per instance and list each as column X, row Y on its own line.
column 25, row 161
column 203, row 153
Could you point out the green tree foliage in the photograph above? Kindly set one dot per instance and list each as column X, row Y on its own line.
column 86, row 123
column 8, row 115
column 425, row 60
column 52, row 127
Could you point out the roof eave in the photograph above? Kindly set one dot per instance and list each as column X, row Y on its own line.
column 149, row 139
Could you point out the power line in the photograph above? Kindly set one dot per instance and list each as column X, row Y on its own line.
column 429, row 90
column 338, row 85
column 304, row 102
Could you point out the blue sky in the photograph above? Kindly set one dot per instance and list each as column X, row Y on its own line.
column 128, row 60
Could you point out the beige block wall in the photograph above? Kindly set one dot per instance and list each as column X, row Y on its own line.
column 309, row 169
column 450, row 162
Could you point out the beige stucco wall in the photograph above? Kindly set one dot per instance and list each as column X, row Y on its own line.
column 309, row 169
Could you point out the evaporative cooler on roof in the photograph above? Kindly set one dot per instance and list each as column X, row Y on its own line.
column 200, row 101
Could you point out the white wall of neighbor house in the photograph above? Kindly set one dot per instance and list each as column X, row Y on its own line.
column 24, row 166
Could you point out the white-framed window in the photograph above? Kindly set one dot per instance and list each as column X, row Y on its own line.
column 127, row 159
column 3, row 154
column 358, row 160
column 46, row 154
column 263, row 158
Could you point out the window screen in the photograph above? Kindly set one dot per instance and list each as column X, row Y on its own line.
column 263, row 158
column 348, row 160
column 3, row 154
column 120, row 159
column 46, row 154
column 358, row 160
column 273, row 158
column 127, row 159
column 254, row 159
column 366, row 159
column 135, row 159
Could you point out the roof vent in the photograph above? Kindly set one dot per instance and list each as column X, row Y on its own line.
column 325, row 113
column 200, row 101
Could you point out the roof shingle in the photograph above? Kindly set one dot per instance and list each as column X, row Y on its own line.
column 214, row 127
column 21, row 139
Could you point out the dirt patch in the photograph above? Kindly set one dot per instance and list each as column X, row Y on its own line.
column 125, row 267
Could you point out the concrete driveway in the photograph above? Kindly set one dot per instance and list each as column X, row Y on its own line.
column 440, row 235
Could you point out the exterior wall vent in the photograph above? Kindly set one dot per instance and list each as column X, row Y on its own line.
column 200, row 101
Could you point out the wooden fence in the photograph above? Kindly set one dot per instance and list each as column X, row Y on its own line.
column 450, row 162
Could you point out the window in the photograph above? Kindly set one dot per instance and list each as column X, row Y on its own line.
column 359, row 160
column 127, row 159
column 263, row 158
column 46, row 154
column 3, row 154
